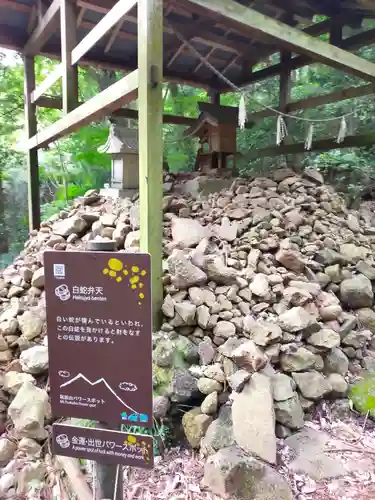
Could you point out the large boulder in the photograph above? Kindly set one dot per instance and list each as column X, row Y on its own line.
column 254, row 418
column 231, row 473
column 357, row 292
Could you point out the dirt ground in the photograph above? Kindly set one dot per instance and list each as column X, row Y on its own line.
column 177, row 475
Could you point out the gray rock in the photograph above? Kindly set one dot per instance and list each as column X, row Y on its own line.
column 313, row 385
column 13, row 381
column 325, row 339
column 217, row 271
column 195, row 425
column 295, row 320
column 71, row 225
column 253, row 479
column 210, row 404
column 291, row 259
column 183, row 273
column 339, row 385
column 249, row 357
column 183, row 387
column 260, row 286
column 290, row 413
column 366, row 318
column 299, row 360
column 262, row 333
column 38, row 278
column 161, row 406
column 336, row 362
column 27, row 411
column 206, row 351
column 366, row 269
column 187, row 232
column 224, row 329
column 34, row 360
column 357, row 292
column 207, row 385
column 357, row 339
column 254, row 419
column 238, row 380
column 220, row 432
column 168, row 307
column 7, row 451
column 31, row 323
column 187, row 311
column 282, row 387
column 308, row 448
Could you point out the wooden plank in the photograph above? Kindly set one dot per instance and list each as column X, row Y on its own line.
column 291, row 38
column 104, row 25
column 150, row 99
column 68, row 23
column 43, row 30
column 32, row 154
column 351, row 141
column 104, row 103
column 320, row 100
column 50, row 80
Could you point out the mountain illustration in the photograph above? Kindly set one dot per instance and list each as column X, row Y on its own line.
column 98, row 384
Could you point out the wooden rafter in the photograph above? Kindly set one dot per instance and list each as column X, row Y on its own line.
column 101, row 28
column 351, row 43
column 289, row 38
column 113, row 35
column 43, row 30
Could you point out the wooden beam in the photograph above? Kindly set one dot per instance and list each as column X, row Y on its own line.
column 320, row 100
column 32, row 153
column 68, row 23
column 48, row 82
column 351, row 43
column 104, row 25
column 150, row 99
column 352, row 141
column 43, row 30
column 104, row 103
column 291, row 38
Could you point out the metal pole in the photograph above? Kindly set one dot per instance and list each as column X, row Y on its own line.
column 109, row 477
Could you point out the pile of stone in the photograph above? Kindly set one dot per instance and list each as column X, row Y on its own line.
column 268, row 306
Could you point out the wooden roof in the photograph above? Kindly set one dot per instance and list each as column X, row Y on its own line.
column 215, row 115
column 231, row 47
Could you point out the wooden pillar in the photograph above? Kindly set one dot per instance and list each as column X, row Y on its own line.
column 214, row 96
column 150, row 105
column 285, row 81
column 68, row 25
column 32, row 154
column 285, row 89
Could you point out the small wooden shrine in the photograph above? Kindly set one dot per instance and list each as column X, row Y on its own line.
column 122, row 145
column 216, row 128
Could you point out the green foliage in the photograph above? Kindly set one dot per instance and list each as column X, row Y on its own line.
column 362, row 396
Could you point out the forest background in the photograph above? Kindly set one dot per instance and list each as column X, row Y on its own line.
column 71, row 166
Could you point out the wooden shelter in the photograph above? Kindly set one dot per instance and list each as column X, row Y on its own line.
column 216, row 128
column 152, row 40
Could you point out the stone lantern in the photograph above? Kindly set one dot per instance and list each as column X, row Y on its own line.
column 122, row 145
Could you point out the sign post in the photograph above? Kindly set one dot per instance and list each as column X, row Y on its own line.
column 100, row 350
